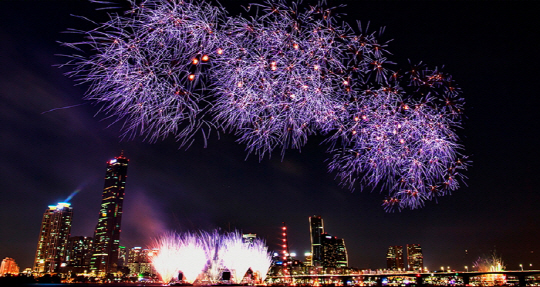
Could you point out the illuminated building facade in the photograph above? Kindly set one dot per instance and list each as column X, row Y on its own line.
column 107, row 234
column 316, row 229
column 53, row 238
column 334, row 251
column 78, row 253
column 123, row 253
column 9, row 267
column 394, row 258
column 138, row 261
column 308, row 259
column 415, row 259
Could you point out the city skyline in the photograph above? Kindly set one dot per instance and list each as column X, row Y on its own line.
column 48, row 155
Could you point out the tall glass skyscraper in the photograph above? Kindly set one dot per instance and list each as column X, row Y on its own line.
column 107, row 234
column 316, row 229
column 53, row 238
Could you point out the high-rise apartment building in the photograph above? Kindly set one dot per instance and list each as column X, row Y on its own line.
column 316, row 229
column 394, row 258
column 78, row 253
column 415, row 259
column 107, row 234
column 53, row 238
column 9, row 266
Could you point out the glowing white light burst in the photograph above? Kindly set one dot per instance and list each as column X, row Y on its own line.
column 177, row 67
column 166, row 262
column 235, row 255
column 193, row 257
column 205, row 256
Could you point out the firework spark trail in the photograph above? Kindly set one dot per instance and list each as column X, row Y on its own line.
column 179, row 67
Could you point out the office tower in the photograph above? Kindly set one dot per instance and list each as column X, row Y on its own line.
column 9, row 267
column 334, row 253
column 415, row 260
column 394, row 258
column 341, row 253
column 107, row 233
column 78, row 254
column 316, row 229
column 53, row 238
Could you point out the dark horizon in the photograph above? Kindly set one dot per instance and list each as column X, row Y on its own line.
column 48, row 152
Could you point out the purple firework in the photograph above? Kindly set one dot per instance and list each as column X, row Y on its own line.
column 284, row 76
column 146, row 66
column 408, row 148
column 171, row 67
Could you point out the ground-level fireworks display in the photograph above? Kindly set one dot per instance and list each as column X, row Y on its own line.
column 284, row 72
column 206, row 257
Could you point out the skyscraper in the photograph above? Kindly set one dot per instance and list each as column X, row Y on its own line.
column 334, row 253
column 53, row 238
column 415, row 259
column 316, row 229
column 107, row 234
column 394, row 258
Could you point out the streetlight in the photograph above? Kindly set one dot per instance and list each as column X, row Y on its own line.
column 467, row 268
column 521, row 265
column 448, row 269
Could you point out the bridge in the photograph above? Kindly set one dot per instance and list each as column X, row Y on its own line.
column 376, row 278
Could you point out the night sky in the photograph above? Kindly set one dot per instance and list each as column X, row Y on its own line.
column 490, row 47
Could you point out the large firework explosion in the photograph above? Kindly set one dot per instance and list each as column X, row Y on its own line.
column 205, row 256
column 285, row 72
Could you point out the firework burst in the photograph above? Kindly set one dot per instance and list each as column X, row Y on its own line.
column 401, row 137
column 284, row 76
column 172, row 67
column 146, row 67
